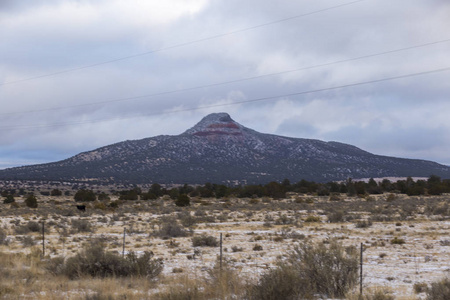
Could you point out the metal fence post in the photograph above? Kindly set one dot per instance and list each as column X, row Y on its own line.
column 361, row 272
column 43, row 238
column 221, row 254
column 123, row 245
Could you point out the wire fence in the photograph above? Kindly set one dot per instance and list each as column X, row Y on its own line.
column 376, row 268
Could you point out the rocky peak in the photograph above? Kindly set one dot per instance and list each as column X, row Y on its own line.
column 217, row 124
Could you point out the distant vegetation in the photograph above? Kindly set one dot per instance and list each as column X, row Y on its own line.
column 434, row 185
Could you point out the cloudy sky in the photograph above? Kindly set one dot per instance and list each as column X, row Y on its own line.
column 80, row 74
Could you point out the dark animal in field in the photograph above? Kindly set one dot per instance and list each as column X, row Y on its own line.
column 81, row 207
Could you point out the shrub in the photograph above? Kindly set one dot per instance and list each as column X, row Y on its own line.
column 278, row 239
column 34, row 226
column 257, row 247
column 282, row 282
column 84, row 195
column 99, row 205
column 31, row 201
column 171, row 229
column 336, row 217
column 148, row 196
column 9, row 199
column 187, row 293
column 183, row 200
column 378, row 294
column 223, row 282
column 439, row 290
column 335, row 197
column 30, row 226
column 55, row 265
column 186, row 219
column 81, row 225
column 363, row 224
column 397, row 241
column 445, row 243
column 309, row 200
column 114, row 204
column 312, row 270
column 21, row 230
column 3, row 237
column 142, row 266
column 332, row 270
column 312, row 219
column 204, row 241
column 27, row 241
column 299, row 200
column 284, row 220
column 253, row 201
column 95, row 261
column 56, row 192
column 103, row 197
column 129, row 195
column 237, row 249
column 420, row 287
column 391, row 197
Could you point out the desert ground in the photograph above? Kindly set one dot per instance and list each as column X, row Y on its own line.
column 405, row 240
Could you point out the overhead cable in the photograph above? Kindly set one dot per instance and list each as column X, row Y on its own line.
column 179, row 45
column 233, row 103
column 228, row 82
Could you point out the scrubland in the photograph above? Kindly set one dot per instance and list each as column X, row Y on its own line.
column 154, row 249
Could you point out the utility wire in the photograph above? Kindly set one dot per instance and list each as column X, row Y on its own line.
column 235, row 102
column 231, row 81
column 181, row 44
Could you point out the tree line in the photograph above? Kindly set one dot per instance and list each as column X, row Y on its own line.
column 434, row 185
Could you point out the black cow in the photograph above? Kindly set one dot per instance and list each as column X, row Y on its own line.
column 81, row 207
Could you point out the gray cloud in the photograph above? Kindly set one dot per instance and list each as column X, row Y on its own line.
column 51, row 36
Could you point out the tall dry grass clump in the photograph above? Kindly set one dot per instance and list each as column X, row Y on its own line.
column 377, row 293
column 312, row 270
column 220, row 283
column 19, row 272
column 439, row 290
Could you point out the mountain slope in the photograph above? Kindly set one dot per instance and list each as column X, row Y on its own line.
column 220, row 150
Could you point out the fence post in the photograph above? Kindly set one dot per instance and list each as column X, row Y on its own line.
column 221, row 254
column 361, row 272
column 123, row 245
column 43, row 238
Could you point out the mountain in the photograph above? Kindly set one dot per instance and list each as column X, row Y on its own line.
column 220, row 150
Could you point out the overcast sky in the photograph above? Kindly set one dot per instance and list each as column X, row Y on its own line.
column 76, row 75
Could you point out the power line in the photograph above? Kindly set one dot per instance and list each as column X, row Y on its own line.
column 233, row 81
column 181, row 44
column 235, row 102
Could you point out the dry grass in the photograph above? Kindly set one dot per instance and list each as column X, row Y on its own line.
column 275, row 225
